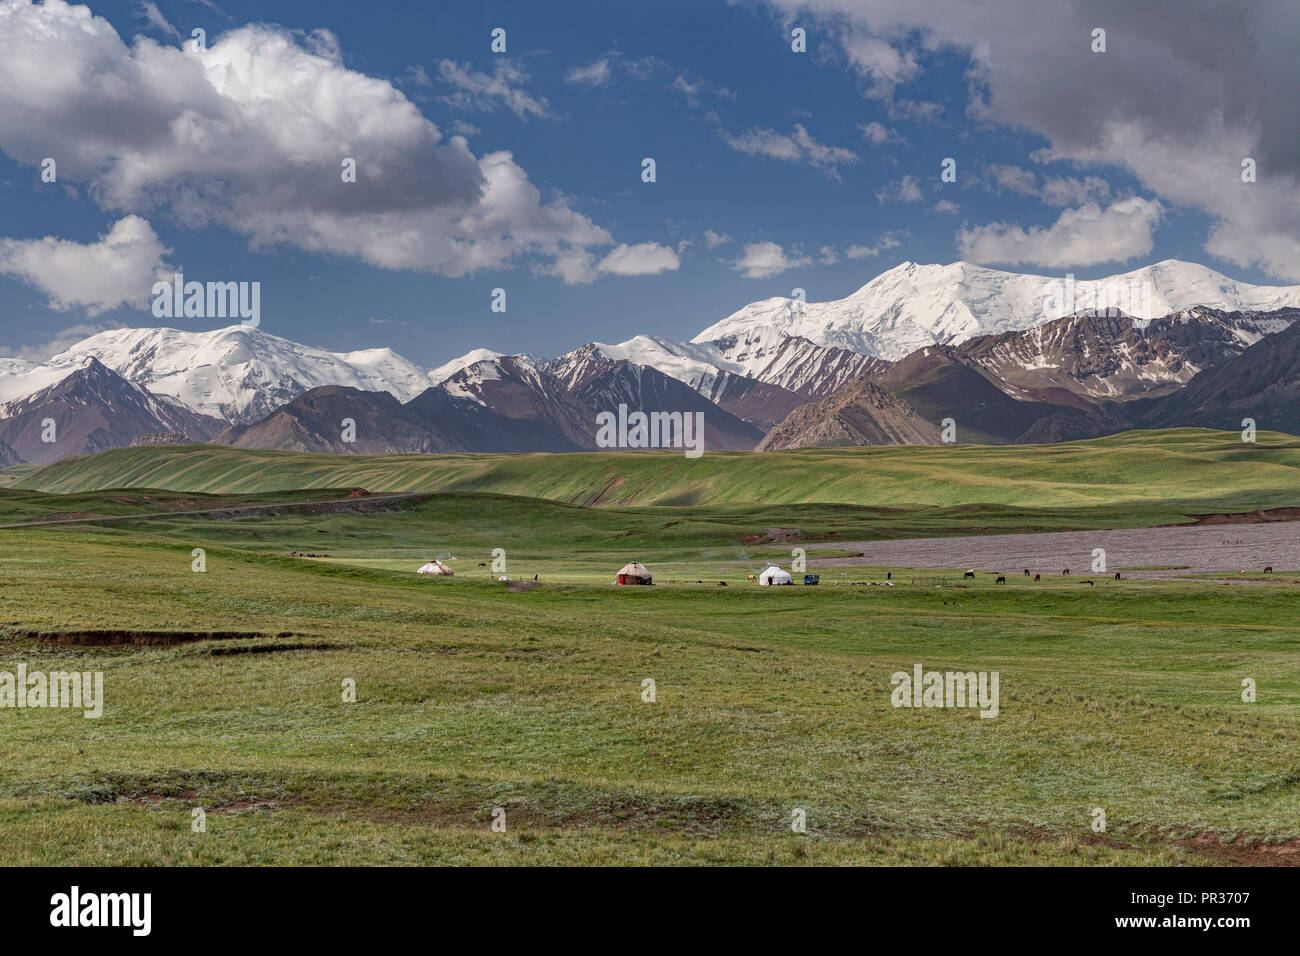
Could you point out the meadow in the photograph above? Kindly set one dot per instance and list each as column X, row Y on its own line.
column 473, row 694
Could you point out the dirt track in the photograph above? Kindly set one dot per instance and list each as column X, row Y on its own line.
column 1201, row 548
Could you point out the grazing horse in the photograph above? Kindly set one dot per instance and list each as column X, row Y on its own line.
column 968, row 574
column 1269, row 569
column 1026, row 572
column 1000, row 580
column 482, row 564
column 751, row 577
column 1066, row 571
column 722, row 584
column 1036, row 577
column 1117, row 577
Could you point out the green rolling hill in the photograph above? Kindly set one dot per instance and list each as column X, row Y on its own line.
column 1214, row 470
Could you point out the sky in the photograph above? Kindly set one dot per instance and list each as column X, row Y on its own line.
column 478, row 169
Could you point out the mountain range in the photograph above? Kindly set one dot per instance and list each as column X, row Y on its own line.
column 885, row 365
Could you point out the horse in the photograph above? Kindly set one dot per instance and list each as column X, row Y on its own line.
column 1000, row 580
column 751, row 577
column 968, row 574
column 1037, row 577
column 1026, row 572
column 1066, row 571
column 1269, row 569
column 1117, row 577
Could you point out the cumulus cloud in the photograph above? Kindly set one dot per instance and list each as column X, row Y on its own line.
column 798, row 146
column 1177, row 100
column 643, row 259
column 945, row 206
column 762, row 259
column 714, row 239
column 116, row 270
column 1054, row 191
column 249, row 134
column 1080, row 237
column 481, row 91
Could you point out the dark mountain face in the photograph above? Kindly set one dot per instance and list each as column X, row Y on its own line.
column 1107, row 356
column 8, row 456
column 861, row 414
column 325, row 418
column 1262, row 383
column 939, row 382
column 757, row 402
column 473, row 427
column 645, row 389
column 515, row 389
column 93, row 409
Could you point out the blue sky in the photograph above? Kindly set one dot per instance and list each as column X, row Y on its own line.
column 832, row 155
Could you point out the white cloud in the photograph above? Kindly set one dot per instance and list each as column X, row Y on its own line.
column 61, row 341
column 480, row 91
column 1225, row 91
column 596, row 73
column 907, row 189
column 643, row 259
column 878, row 134
column 249, row 135
column 119, row 269
column 1085, row 236
column 714, row 239
column 945, row 206
column 887, row 241
column 763, row 259
column 1054, row 191
column 799, row 146
column 148, row 10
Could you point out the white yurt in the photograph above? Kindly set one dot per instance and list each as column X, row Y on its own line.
column 774, row 575
column 634, row 572
column 436, row 567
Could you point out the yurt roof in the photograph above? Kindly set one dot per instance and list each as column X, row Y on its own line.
column 636, row 568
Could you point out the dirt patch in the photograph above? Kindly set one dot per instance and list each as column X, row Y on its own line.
column 107, row 638
column 272, row 649
column 1286, row 853
column 1250, row 517
column 358, row 493
column 191, row 798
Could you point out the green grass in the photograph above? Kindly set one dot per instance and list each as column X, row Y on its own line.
column 1125, row 696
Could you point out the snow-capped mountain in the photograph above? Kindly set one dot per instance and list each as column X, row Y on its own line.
column 913, row 305
column 764, row 355
column 93, row 409
column 241, row 374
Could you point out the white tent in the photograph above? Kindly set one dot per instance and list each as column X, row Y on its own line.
column 774, row 575
column 436, row 567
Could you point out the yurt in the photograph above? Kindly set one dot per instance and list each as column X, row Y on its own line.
column 774, row 575
column 436, row 567
column 633, row 573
